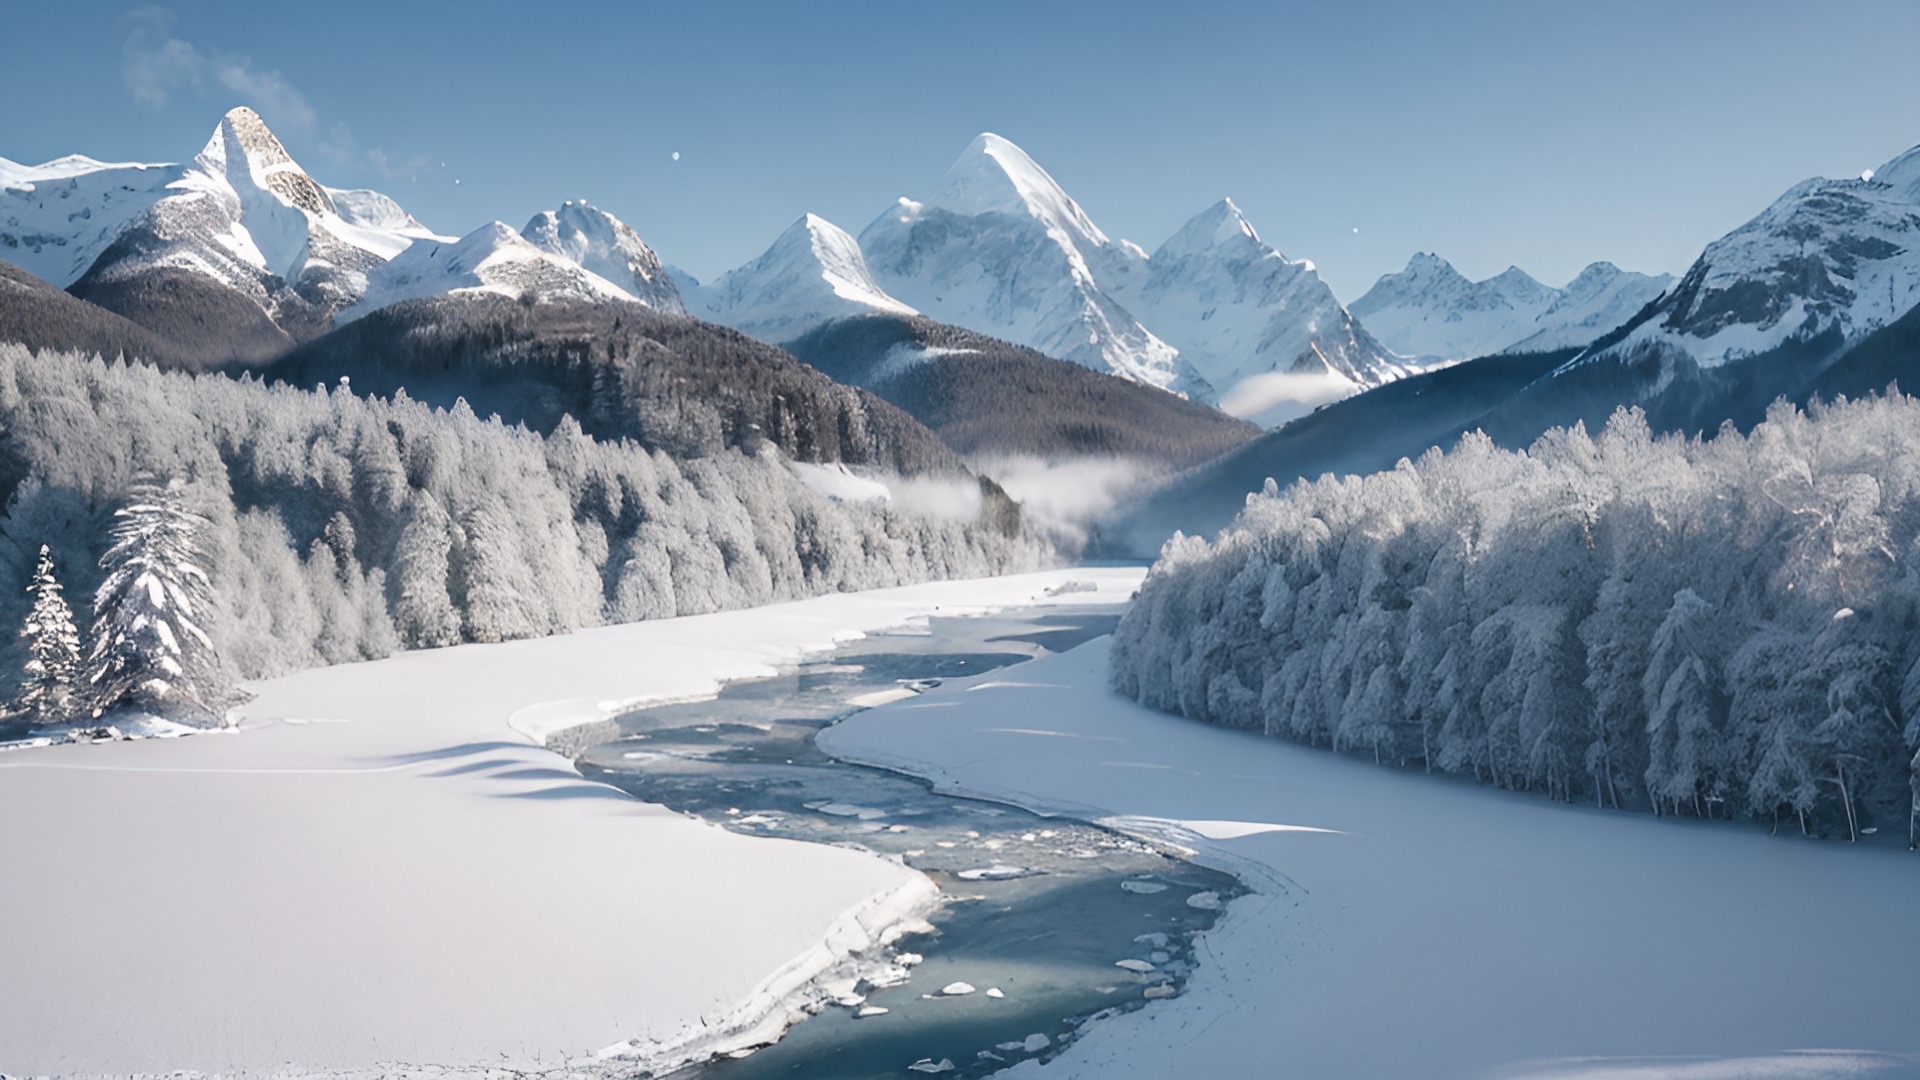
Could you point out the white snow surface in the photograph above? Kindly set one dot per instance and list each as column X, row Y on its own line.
column 1405, row 925
column 1432, row 310
column 812, row 275
column 56, row 218
column 383, row 870
column 490, row 259
column 596, row 240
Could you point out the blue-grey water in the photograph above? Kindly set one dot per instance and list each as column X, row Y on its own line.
column 1040, row 910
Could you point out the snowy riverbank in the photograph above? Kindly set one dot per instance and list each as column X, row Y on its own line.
column 385, row 868
column 1414, row 926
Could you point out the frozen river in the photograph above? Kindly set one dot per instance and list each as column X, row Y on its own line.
column 1047, row 924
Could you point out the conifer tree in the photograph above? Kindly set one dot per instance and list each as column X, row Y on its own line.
column 151, row 648
column 49, row 691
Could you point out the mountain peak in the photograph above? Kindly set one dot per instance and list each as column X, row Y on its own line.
column 1427, row 264
column 1220, row 228
column 244, row 148
column 992, row 175
column 813, row 274
column 595, row 240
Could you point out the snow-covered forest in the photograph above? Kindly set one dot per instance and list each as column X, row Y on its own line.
column 1719, row 627
column 341, row 528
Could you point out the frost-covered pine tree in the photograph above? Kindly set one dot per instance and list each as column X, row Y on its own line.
column 49, row 689
column 151, row 648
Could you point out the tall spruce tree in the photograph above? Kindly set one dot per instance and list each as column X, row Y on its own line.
column 49, row 689
column 151, row 649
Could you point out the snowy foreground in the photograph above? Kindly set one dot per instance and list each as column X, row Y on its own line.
column 1414, row 926
column 384, row 868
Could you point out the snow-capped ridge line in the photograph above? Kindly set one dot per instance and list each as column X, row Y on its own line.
column 601, row 243
column 1430, row 309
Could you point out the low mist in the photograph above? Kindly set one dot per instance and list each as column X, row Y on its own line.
column 1065, row 498
column 1273, row 399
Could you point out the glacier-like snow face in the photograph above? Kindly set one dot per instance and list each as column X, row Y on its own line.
column 1838, row 257
column 599, row 242
column 492, row 259
column 1239, row 310
column 56, row 218
column 1000, row 248
column 1432, row 310
column 813, row 274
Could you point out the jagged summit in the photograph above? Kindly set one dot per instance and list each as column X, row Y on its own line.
column 814, row 273
column 1431, row 309
column 243, row 141
column 1219, row 228
column 1000, row 248
column 607, row 246
column 1241, row 313
column 992, row 175
column 492, row 258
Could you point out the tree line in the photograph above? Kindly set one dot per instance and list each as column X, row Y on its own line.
column 341, row 528
column 1718, row 627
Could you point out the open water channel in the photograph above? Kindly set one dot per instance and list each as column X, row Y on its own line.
column 1047, row 925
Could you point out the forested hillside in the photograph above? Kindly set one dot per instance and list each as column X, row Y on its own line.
column 344, row 527
column 987, row 397
column 620, row 370
column 1718, row 628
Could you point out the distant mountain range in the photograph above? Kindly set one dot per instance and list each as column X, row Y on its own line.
column 1430, row 310
column 1000, row 248
column 240, row 259
column 1817, row 296
column 990, row 318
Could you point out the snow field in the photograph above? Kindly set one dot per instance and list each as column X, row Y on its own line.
column 1407, row 925
column 378, row 871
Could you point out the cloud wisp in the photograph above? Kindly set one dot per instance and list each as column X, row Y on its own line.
column 156, row 66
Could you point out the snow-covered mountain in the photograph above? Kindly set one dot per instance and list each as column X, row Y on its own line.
column 56, row 218
column 1239, row 310
column 1000, row 248
column 246, row 215
column 1432, row 310
column 1830, row 260
column 490, row 259
column 607, row 246
column 813, row 274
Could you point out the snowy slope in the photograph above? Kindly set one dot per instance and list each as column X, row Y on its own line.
column 56, row 218
column 813, row 274
column 1238, row 309
column 1431, row 309
column 1000, row 248
column 492, row 258
column 602, row 243
column 1829, row 257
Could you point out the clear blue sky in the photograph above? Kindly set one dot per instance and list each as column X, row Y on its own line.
column 1542, row 134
